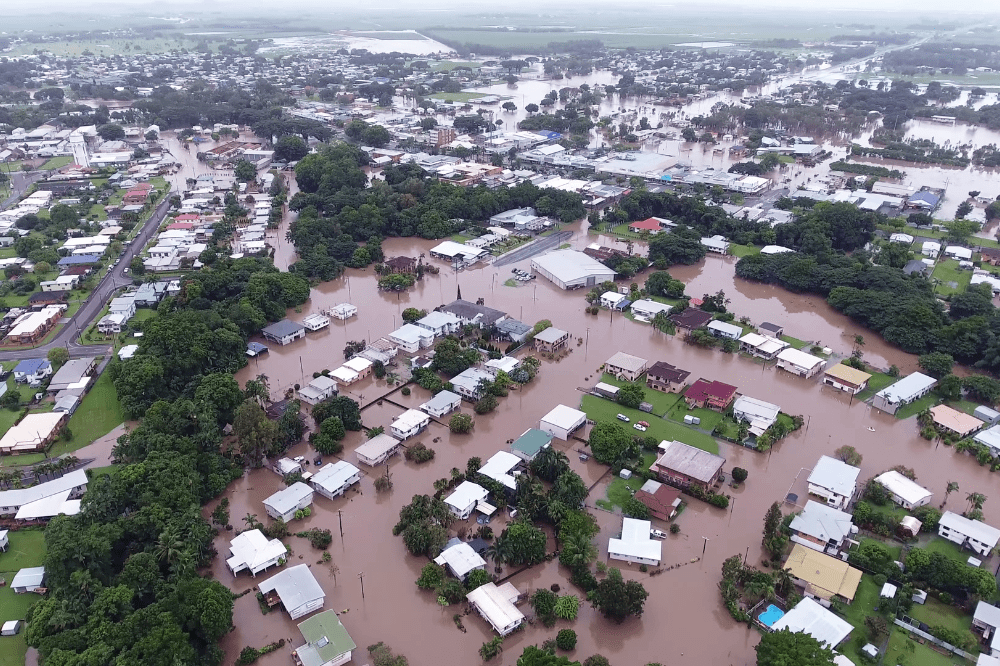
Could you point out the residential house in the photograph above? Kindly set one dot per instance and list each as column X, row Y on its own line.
column 26, row 580
column 822, row 528
column 469, row 383
column 845, row 378
column 496, row 606
column 958, row 253
column 412, row 338
column 284, row 503
column 442, row 404
column 33, row 433
column 52, row 493
column 625, row 367
column 253, row 551
column 721, row 329
column 635, row 544
column 507, row 364
column 123, row 305
column 645, row 309
column 712, row 395
column 32, row 370
column 285, row 466
column 501, row 467
column 954, row 421
column 409, row 423
column 833, row 480
column 474, row 314
column 773, row 330
column 111, row 324
column 440, row 323
column 74, row 374
column 4, row 541
column 717, row 244
column 822, row 576
column 333, row 479
column 691, row 318
column 651, row 226
column 612, row 300
column 463, row 501
column 327, row 641
column 989, row 438
column 343, row 311
column 31, row 327
column 316, row 322
column 401, row 264
column 931, row 249
column 761, row 346
column 799, row 363
column 460, row 559
column 377, row 450
column 530, row 444
column 296, row 589
column 662, row 500
column 353, row 370
column 906, row 390
column 318, row 389
column 986, row 621
column 667, row 378
column 513, row 330
column 813, row 619
column 682, row 465
column 284, row 332
column 905, row 492
column 562, row 421
column 972, row 534
column 759, row 414
column 551, row 340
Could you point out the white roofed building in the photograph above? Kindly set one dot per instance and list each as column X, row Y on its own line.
column 811, row 618
column 906, row 390
column 464, row 499
column 335, row 478
column 253, row 551
column 496, row 606
column 296, row 589
column 636, row 544
column 409, row 423
column 284, row 503
column 833, row 480
column 625, row 367
column 906, row 493
column 759, row 414
column 822, row 528
column 974, row 534
column 460, row 560
column 570, row 269
column 799, row 363
column 500, row 467
column 318, row 389
column 442, row 404
column 562, row 421
column 377, row 450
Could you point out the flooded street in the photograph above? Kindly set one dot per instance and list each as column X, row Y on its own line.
column 368, row 546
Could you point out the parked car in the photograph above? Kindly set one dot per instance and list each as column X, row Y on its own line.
column 622, row 417
column 657, row 534
column 639, row 427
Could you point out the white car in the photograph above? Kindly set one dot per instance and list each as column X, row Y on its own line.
column 639, row 427
column 657, row 534
column 299, row 459
column 622, row 417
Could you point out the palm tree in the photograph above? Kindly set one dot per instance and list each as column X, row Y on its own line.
column 170, row 546
column 577, row 550
column 783, row 580
column 495, row 552
column 951, row 488
column 250, row 519
column 976, row 500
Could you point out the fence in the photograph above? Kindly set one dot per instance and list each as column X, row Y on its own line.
column 932, row 639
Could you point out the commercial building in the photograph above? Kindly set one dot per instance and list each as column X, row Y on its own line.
column 799, row 363
column 253, row 551
column 833, row 480
column 906, row 390
column 296, row 589
column 334, row 479
column 845, row 378
column 562, row 422
column 377, row 450
column 327, row 641
column 822, row 576
column 496, row 605
column 635, row 544
column 284, row 503
column 570, row 269
column 972, row 534
column 822, row 527
column 906, row 493
column 458, row 253
column 625, row 367
column 682, row 465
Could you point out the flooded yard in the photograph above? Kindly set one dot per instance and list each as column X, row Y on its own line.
column 396, row 611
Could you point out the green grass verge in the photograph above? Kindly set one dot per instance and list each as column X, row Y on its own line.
column 948, row 549
column 98, row 414
column 794, row 342
column 598, row 409
column 57, row 163
column 96, row 472
column 661, row 402
column 947, row 272
column 933, row 612
column 917, row 406
column 743, row 250
column 878, row 382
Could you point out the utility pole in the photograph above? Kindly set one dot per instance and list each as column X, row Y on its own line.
column 340, row 515
column 704, row 546
column 361, row 577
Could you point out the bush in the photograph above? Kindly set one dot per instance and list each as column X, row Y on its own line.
column 633, row 508
column 491, row 649
column 596, row 660
column 319, row 538
column 248, row 655
column 460, row 423
column 419, row 453
column 675, row 528
column 544, row 603
column 566, row 639
column 567, row 607
column 406, row 390
column 740, row 475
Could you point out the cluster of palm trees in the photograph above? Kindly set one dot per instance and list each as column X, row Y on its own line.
column 43, row 471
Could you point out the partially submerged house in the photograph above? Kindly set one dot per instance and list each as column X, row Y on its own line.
column 377, row 450
column 906, row 493
column 442, row 404
column 822, row 528
column 327, row 642
column 465, row 498
column 530, row 444
column 551, row 340
column 408, row 424
column 682, row 465
column 845, row 378
column 296, row 589
column 761, row 346
column 496, row 606
column 317, row 390
column 460, row 559
column 833, row 480
column 284, row 503
column 798, row 362
column 254, row 552
column 284, row 332
column 334, row 479
column 954, row 421
column 662, row 500
column 906, row 390
column 760, row 415
column 823, row 576
column 636, row 544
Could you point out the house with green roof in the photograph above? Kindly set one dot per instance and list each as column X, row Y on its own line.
column 327, row 641
column 527, row 446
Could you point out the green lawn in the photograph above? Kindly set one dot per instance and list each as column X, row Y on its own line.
column 98, row 414
column 27, row 549
column 660, row 401
column 891, row 547
column 933, row 612
column 902, row 651
column 743, row 250
column 57, row 163
column 917, row 406
column 620, row 490
column 946, row 547
column 794, row 342
column 599, row 409
column 947, row 272
column 865, row 600
column 966, row 406
column 709, row 418
column 96, row 472
column 878, row 382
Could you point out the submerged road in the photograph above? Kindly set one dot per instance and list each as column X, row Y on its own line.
column 534, row 248
column 113, row 280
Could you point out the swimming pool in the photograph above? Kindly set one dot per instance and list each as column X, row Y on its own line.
column 771, row 615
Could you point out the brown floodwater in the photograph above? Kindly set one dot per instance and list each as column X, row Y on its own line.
column 368, row 547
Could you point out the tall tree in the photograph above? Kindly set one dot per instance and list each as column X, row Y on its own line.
column 617, row 599
column 255, row 433
column 785, row 648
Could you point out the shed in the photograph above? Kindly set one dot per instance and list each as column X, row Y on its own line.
column 28, row 580
column 10, row 628
column 888, row 591
column 986, row 414
column 530, row 443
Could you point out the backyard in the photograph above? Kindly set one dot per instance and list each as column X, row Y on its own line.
column 619, row 491
column 878, row 381
column 98, row 414
column 27, row 549
column 598, row 409
column 661, row 402
column 949, row 278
